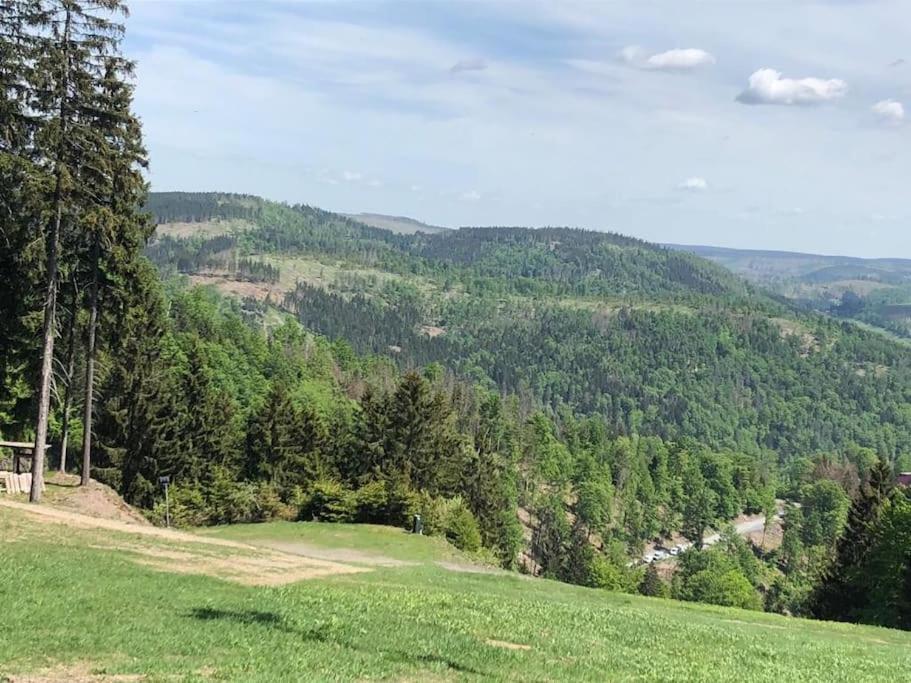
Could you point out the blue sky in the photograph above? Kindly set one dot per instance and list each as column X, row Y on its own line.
column 775, row 124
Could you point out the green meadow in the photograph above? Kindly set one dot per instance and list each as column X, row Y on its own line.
column 74, row 605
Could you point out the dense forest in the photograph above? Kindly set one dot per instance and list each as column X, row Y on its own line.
column 554, row 399
column 872, row 292
column 657, row 342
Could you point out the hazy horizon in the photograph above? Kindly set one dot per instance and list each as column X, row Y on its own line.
column 676, row 126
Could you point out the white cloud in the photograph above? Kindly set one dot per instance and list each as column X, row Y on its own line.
column 672, row 60
column 470, row 196
column 375, row 183
column 694, row 184
column 889, row 112
column 415, row 188
column 768, row 87
column 689, row 58
column 352, row 176
column 474, row 64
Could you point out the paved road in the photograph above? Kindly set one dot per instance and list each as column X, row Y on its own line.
column 744, row 528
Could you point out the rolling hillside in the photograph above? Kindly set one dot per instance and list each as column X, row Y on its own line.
column 399, row 224
column 764, row 266
column 262, row 603
column 873, row 292
column 657, row 341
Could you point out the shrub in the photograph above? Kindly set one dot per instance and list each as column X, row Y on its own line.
column 187, row 507
column 372, row 503
column 109, row 476
column 462, row 529
column 652, row 585
column 730, row 589
column 450, row 517
column 401, row 505
column 329, row 501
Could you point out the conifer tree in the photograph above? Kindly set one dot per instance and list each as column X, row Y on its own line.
column 842, row 591
column 75, row 39
column 118, row 229
column 22, row 186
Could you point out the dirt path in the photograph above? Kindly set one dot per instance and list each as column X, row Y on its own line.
column 187, row 553
column 335, row 554
column 257, row 562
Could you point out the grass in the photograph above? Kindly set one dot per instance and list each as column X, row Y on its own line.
column 70, row 608
column 365, row 538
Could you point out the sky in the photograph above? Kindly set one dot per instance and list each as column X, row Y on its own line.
column 772, row 124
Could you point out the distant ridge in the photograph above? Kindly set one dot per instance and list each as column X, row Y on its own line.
column 760, row 265
column 708, row 251
column 398, row 224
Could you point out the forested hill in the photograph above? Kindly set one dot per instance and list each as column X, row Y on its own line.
column 658, row 342
column 560, row 261
column 875, row 292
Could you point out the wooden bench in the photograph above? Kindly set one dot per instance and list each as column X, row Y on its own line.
column 16, row 481
column 13, row 484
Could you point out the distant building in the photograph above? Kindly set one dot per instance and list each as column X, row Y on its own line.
column 904, row 479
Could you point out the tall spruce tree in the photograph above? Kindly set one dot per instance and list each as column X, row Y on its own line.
column 842, row 592
column 118, row 229
column 22, row 184
column 76, row 40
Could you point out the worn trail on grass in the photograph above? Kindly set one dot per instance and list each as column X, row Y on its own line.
column 191, row 554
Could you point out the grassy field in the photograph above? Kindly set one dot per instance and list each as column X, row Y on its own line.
column 77, row 604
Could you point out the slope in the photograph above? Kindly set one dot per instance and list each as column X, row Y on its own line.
column 397, row 622
column 399, row 224
column 657, row 341
column 873, row 292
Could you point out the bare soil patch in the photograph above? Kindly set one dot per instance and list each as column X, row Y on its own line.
column 468, row 568
column 76, row 672
column 507, row 645
column 191, row 554
column 240, row 288
column 335, row 554
column 94, row 500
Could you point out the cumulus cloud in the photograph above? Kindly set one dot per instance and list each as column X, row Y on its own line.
column 352, row 176
column 475, row 64
column 470, row 196
column 889, row 112
column 694, row 184
column 680, row 59
column 689, row 58
column 767, row 86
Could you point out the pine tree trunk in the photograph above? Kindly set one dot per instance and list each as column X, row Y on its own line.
column 90, row 370
column 70, row 370
column 50, row 300
column 47, row 358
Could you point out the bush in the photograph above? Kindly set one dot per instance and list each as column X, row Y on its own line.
column 652, row 585
column 462, row 529
column 450, row 517
column 372, row 503
column 730, row 589
column 109, row 476
column 329, row 501
column 187, row 507
column 401, row 505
